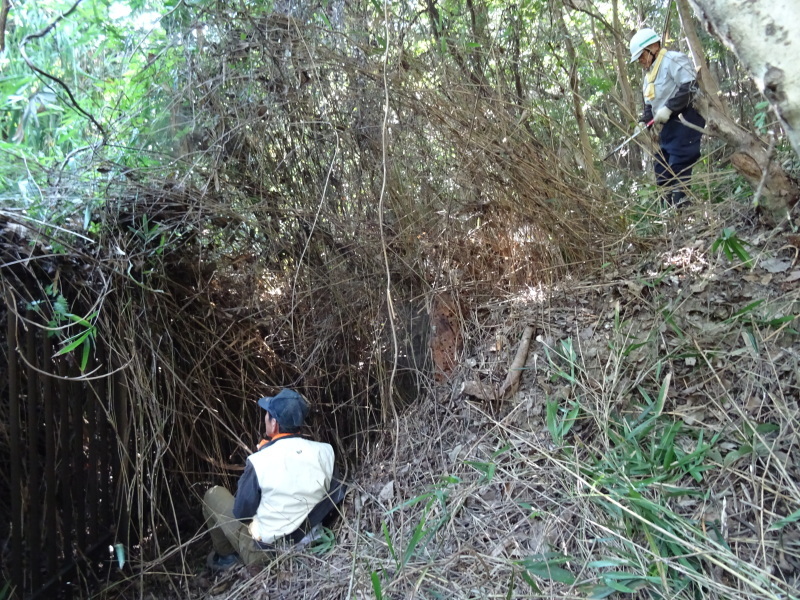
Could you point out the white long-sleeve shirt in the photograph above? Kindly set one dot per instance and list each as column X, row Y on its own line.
column 676, row 69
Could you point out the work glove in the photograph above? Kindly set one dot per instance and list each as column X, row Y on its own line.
column 662, row 115
column 640, row 127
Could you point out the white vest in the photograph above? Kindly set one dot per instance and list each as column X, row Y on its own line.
column 294, row 474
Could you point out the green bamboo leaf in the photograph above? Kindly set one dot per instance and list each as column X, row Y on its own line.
column 376, row 585
column 412, row 502
column 85, row 356
column 76, row 341
column 608, row 562
column 546, row 566
column 529, row 580
column 325, row 19
column 764, row 428
column 419, row 533
column 792, row 518
column 598, row 592
column 745, row 310
column 551, row 572
column 778, row 321
column 388, row 539
column 620, row 587
column 85, row 321
column 486, row 469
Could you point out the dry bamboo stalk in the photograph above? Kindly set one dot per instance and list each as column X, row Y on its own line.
column 484, row 391
column 515, row 370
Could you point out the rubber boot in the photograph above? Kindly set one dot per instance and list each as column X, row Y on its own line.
column 679, row 199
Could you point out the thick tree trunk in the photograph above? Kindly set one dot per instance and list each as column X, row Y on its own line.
column 708, row 81
column 751, row 158
column 765, row 36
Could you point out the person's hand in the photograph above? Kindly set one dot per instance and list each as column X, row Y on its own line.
column 662, row 115
column 640, row 127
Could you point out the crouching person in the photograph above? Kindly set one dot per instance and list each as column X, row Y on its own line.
column 286, row 489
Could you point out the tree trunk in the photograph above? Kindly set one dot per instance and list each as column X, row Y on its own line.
column 708, row 81
column 763, row 35
column 587, row 156
column 751, row 159
column 632, row 106
column 632, row 103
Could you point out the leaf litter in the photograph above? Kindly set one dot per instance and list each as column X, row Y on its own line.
column 674, row 477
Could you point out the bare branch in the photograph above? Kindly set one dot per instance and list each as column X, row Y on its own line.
column 43, row 73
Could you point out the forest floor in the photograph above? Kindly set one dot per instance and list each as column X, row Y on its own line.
column 649, row 451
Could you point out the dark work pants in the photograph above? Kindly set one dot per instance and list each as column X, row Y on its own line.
column 679, row 150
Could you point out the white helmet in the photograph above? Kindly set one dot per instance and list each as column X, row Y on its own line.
column 641, row 40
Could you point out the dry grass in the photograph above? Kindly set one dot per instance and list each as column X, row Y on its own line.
column 674, row 480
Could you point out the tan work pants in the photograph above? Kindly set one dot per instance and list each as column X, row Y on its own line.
column 228, row 534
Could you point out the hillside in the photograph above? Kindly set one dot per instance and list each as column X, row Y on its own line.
column 648, row 452
column 443, row 224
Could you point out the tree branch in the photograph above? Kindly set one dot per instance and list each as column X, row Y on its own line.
column 4, row 8
column 686, row 123
column 36, row 69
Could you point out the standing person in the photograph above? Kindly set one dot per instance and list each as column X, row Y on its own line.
column 283, row 491
column 670, row 84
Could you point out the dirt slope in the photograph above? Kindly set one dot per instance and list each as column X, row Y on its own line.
column 649, row 452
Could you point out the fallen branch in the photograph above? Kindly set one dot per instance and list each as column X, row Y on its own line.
column 484, row 391
column 686, row 123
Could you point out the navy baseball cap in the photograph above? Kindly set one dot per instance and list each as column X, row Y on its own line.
column 287, row 407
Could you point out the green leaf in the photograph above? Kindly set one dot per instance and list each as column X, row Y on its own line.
column 388, row 539
column 82, row 320
column 792, row 518
column 777, row 322
column 546, row 566
column 620, row 587
column 85, row 356
column 529, row 580
column 449, row 479
column 416, row 537
column 732, row 457
column 412, row 502
column 376, row 585
column 60, row 306
column 631, row 347
column 551, row 414
column 598, row 592
column 486, row 469
column 76, row 341
column 744, row 311
column 768, row 428
column 325, row 19
column 608, row 562
column 502, row 450
column 551, row 572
